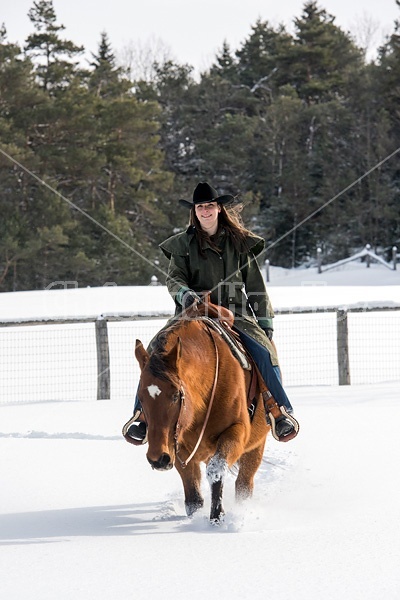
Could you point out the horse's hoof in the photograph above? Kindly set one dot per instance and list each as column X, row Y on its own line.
column 218, row 520
column 192, row 507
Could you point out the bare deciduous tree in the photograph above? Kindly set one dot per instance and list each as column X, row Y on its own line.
column 138, row 58
column 367, row 34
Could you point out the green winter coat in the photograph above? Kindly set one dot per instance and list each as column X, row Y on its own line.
column 233, row 277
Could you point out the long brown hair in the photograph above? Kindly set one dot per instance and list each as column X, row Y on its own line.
column 230, row 220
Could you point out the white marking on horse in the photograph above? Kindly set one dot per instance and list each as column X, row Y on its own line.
column 216, row 469
column 153, row 390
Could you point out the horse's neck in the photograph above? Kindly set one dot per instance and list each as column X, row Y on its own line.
column 197, row 364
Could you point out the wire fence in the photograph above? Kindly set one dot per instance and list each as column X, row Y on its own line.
column 72, row 361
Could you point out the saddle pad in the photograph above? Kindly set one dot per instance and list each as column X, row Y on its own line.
column 231, row 339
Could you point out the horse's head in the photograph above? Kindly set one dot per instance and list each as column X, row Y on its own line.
column 161, row 395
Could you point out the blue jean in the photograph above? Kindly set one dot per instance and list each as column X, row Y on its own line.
column 270, row 374
column 137, row 405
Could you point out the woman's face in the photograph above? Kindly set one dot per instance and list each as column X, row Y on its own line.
column 207, row 215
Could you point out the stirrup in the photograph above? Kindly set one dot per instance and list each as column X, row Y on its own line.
column 294, row 422
column 125, row 429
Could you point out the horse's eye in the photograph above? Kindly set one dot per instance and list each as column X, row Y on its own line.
column 176, row 397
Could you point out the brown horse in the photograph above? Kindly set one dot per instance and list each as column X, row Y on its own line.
column 194, row 397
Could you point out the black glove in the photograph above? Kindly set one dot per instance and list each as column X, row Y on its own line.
column 189, row 298
column 269, row 333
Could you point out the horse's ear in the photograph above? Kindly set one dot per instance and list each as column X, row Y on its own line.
column 175, row 352
column 141, row 355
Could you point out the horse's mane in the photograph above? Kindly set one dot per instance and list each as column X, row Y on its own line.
column 157, row 364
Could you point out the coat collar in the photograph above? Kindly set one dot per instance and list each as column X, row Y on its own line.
column 178, row 244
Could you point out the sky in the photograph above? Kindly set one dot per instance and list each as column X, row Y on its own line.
column 190, row 32
column 83, row 515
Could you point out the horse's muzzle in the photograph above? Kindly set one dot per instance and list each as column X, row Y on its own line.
column 163, row 463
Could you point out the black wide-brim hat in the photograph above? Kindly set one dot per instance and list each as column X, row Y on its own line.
column 204, row 192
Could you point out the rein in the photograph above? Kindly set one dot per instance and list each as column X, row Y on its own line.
column 184, row 463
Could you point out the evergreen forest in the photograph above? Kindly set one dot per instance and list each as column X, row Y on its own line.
column 300, row 127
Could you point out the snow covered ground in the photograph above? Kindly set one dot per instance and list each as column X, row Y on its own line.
column 82, row 515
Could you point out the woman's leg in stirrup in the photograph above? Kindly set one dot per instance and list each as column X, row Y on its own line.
column 284, row 426
column 135, row 430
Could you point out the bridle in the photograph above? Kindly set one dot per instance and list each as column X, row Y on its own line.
column 178, row 427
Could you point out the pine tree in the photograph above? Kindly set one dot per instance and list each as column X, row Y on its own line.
column 56, row 58
column 260, row 64
column 385, row 86
column 106, row 78
column 18, row 96
column 225, row 65
column 388, row 77
column 322, row 57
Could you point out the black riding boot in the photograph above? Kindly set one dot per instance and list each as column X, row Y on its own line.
column 135, row 430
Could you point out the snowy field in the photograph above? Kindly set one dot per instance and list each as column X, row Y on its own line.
column 82, row 515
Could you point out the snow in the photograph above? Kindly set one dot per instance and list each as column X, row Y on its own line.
column 83, row 515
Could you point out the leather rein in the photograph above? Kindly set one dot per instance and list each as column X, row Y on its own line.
column 178, row 427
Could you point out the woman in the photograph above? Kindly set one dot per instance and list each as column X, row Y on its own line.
column 217, row 253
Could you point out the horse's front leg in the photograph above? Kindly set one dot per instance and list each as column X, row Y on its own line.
column 191, row 479
column 229, row 449
column 216, row 471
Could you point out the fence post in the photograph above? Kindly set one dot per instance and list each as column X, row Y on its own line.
column 394, row 256
column 267, row 270
column 103, row 359
column 368, row 261
column 319, row 259
column 343, row 347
